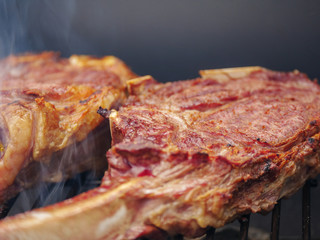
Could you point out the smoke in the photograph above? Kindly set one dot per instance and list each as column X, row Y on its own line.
column 33, row 26
column 12, row 27
column 63, row 176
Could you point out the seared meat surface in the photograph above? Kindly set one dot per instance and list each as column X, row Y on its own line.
column 208, row 150
column 192, row 154
column 48, row 103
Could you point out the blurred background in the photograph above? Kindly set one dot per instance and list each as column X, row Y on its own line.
column 169, row 39
column 173, row 40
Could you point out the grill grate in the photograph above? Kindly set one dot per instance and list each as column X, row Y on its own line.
column 275, row 225
column 244, row 226
column 210, row 234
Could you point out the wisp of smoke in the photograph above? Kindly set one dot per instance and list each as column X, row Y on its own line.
column 32, row 26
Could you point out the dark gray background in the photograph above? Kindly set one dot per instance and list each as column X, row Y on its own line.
column 172, row 40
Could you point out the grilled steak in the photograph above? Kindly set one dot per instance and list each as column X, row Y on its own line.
column 47, row 109
column 192, row 154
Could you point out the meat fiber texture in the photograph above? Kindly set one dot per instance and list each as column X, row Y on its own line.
column 192, row 154
column 49, row 104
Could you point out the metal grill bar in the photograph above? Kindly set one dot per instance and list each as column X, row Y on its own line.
column 210, row 234
column 178, row 237
column 244, row 227
column 5, row 208
column 275, row 225
column 306, row 217
column 306, row 233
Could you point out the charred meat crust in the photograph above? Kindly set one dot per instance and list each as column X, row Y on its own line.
column 104, row 112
